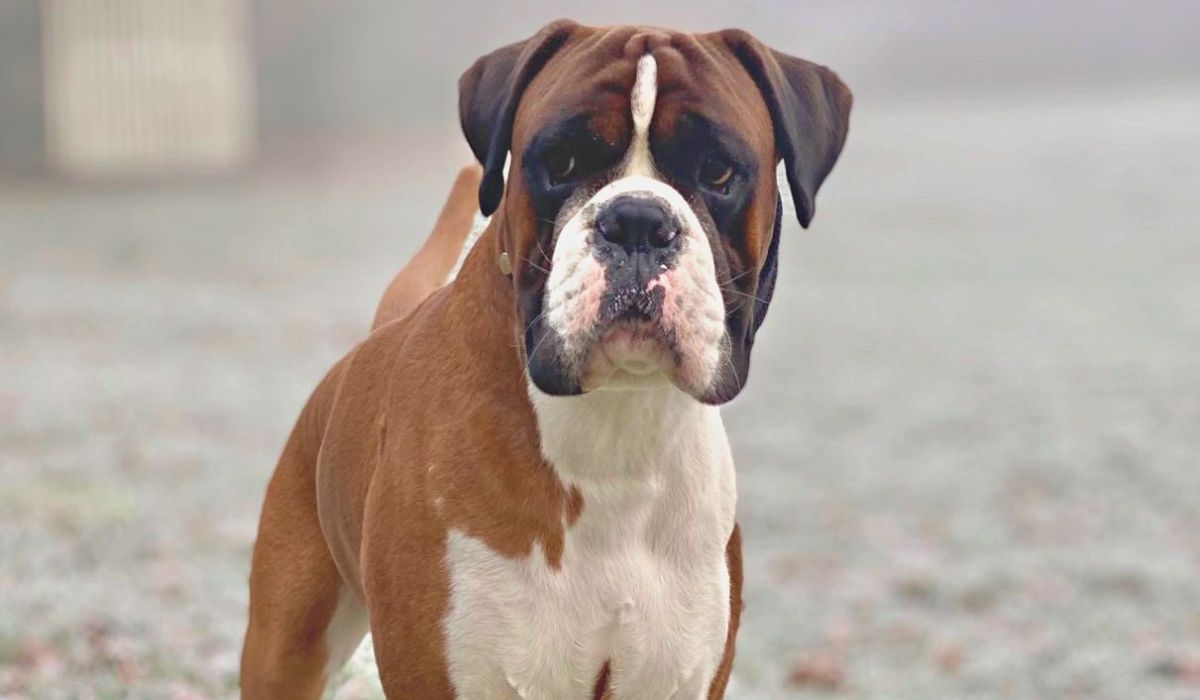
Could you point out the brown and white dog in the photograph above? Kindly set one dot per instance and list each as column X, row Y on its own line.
column 520, row 482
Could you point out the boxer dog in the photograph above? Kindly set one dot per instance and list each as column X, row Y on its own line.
column 520, row 482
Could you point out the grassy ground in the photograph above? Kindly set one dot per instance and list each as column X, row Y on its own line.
column 969, row 455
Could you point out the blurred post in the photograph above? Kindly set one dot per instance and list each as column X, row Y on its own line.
column 148, row 87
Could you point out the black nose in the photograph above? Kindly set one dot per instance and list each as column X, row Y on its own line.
column 637, row 223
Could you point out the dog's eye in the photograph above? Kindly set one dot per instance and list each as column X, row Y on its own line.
column 715, row 173
column 560, row 164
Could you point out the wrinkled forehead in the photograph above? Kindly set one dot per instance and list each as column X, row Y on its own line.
column 594, row 73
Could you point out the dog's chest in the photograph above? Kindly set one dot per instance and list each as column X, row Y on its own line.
column 642, row 586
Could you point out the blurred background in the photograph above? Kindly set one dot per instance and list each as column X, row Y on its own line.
column 969, row 453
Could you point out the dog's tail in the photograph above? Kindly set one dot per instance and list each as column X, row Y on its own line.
column 429, row 268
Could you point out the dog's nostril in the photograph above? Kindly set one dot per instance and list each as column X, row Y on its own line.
column 662, row 236
column 636, row 223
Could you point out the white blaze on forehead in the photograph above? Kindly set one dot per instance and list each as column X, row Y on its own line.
column 645, row 91
column 641, row 103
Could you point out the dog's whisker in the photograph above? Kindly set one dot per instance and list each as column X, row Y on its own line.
column 735, row 278
column 536, row 319
column 743, row 294
column 535, row 265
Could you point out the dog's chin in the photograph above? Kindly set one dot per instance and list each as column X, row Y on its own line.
column 629, row 355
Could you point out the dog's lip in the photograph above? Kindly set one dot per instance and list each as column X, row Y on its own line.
column 638, row 347
column 632, row 327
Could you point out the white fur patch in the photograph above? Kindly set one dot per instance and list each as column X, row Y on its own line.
column 643, row 582
column 641, row 103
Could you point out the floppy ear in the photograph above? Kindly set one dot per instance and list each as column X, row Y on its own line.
column 488, row 95
column 810, row 109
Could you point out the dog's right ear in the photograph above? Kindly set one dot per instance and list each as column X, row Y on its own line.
column 488, row 95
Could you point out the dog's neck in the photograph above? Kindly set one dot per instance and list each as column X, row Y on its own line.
column 624, row 434
column 653, row 470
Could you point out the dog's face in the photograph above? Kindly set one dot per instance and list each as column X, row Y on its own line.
column 641, row 214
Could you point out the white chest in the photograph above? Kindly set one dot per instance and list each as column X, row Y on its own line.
column 642, row 584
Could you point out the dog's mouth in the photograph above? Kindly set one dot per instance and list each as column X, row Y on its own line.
column 632, row 347
column 592, row 333
column 628, row 358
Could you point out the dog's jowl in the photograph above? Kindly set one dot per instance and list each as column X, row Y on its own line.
column 520, row 483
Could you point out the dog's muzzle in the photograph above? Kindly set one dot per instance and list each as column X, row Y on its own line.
column 631, row 295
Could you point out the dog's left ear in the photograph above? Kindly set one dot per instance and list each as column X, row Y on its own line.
column 810, row 110
column 488, row 95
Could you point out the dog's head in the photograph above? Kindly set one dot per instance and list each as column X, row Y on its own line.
column 641, row 215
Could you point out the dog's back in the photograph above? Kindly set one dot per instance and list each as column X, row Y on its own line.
column 293, row 570
column 428, row 269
